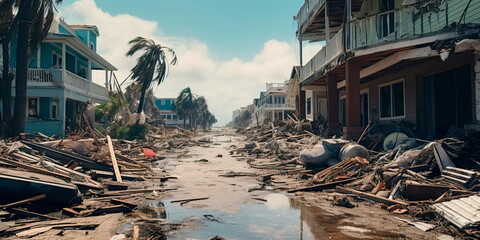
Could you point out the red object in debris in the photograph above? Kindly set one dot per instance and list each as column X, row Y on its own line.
column 149, row 152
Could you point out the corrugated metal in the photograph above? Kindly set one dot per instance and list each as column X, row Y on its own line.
column 462, row 212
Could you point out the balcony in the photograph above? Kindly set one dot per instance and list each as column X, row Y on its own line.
column 53, row 78
column 327, row 54
column 273, row 106
column 276, row 86
column 409, row 25
column 307, row 13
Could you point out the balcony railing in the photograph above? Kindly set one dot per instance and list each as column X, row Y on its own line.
column 72, row 82
column 271, row 86
column 278, row 106
column 329, row 52
column 308, row 11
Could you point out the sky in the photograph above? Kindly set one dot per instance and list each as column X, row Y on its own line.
column 227, row 49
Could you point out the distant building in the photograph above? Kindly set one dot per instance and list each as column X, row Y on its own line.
column 272, row 103
column 60, row 80
column 165, row 105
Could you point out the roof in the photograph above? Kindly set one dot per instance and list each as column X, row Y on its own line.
column 462, row 212
column 91, row 27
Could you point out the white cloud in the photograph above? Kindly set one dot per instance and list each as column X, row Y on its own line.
column 227, row 85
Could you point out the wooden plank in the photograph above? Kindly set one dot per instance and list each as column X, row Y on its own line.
column 136, row 232
column 370, row 196
column 25, row 201
column 32, row 214
column 118, row 176
column 190, row 199
column 35, row 169
column 129, row 204
column 322, row 186
column 111, row 209
column 128, row 192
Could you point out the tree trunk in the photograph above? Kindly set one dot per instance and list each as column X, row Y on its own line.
column 20, row 108
column 6, row 91
column 142, row 100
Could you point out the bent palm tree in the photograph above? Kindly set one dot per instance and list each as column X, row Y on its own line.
column 152, row 65
column 184, row 104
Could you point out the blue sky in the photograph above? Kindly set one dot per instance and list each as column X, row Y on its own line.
column 231, row 28
column 227, row 49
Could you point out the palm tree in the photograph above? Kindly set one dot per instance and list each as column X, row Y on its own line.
column 184, row 104
column 201, row 108
column 152, row 62
column 34, row 19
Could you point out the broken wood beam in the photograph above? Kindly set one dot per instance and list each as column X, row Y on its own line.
column 25, row 201
column 128, row 204
column 370, row 196
column 190, row 200
column 34, row 168
column 32, row 214
column 111, row 209
column 319, row 187
column 118, row 176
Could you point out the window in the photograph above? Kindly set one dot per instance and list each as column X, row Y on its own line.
column 57, row 60
column 309, row 106
column 92, row 46
column 54, row 111
column 162, row 102
column 32, row 110
column 386, row 19
column 364, row 107
column 392, row 100
column 174, row 117
column 169, row 117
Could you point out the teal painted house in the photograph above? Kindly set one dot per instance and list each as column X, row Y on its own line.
column 60, row 80
column 170, row 116
column 415, row 61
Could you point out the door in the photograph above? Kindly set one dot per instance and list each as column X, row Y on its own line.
column 448, row 101
column 364, row 116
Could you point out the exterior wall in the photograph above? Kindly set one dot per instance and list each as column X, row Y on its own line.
column 164, row 103
column 412, row 77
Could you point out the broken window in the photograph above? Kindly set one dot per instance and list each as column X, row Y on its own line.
column 32, row 107
column 54, row 112
column 392, row 100
column 56, row 60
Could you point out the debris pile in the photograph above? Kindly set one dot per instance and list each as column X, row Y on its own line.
column 435, row 181
column 51, row 186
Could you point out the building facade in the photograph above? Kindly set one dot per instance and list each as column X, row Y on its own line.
column 60, row 78
column 169, row 115
column 272, row 105
column 393, row 60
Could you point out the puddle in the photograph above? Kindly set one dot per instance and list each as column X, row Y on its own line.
column 274, row 219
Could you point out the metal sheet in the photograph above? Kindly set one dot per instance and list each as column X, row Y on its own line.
column 462, row 212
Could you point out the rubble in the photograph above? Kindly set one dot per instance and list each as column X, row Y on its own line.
column 411, row 175
column 49, row 185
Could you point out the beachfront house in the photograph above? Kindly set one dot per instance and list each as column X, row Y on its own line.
column 393, row 60
column 169, row 115
column 60, row 78
column 272, row 103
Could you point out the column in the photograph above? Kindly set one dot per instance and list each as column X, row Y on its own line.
column 64, row 61
column 477, row 86
column 61, row 114
column 302, row 105
column 353, row 128
column 327, row 23
column 333, row 115
column 106, row 79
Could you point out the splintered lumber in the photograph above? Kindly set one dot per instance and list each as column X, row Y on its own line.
column 189, row 200
column 131, row 191
column 111, row 209
column 128, row 204
column 118, row 176
column 136, row 232
column 104, row 174
column 34, row 168
column 319, row 187
column 65, row 157
column 31, row 214
column 25, row 201
column 370, row 196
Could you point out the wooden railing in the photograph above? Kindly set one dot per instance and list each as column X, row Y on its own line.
column 308, row 11
column 329, row 52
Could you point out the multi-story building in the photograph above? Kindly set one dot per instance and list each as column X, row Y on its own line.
column 171, row 117
column 272, row 103
column 384, row 60
column 60, row 80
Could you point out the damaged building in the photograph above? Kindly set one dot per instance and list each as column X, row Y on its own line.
column 415, row 61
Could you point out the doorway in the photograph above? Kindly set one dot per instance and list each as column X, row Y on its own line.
column 448, row 101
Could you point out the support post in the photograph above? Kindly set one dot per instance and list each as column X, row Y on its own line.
column 477, row 86
column 89, row 70
column 333, row 123
column 64, row 61
column 302, row 105
column 327, row 23
column 62, row 114
column 353, row 127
